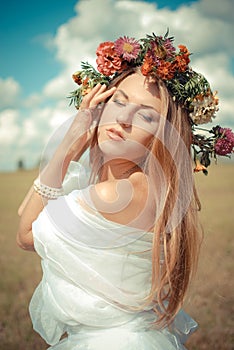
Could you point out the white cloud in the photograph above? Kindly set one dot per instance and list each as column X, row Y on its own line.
column 226, row 108
column 216, row 71
column 60, row 114
column 10, row 92
column 32, row 101
column 59, row 87
column 30, row 130
column 9, row 127
column 217, row 9
column 203, row 33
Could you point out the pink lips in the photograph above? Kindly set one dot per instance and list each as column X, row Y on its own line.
column 114, row 134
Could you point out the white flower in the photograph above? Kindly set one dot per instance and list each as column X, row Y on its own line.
column 204, row 108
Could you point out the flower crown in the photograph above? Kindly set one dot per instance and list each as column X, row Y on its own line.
column 156, row 56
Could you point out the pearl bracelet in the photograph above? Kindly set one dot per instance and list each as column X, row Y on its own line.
column 46, row 191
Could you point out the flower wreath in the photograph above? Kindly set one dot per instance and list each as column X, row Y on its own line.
column 156, row 55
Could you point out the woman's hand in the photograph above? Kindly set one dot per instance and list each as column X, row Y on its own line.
column 92, row 101
column 97, row 95
column 81, row 130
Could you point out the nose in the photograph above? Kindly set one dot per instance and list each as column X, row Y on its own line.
column 124, row 117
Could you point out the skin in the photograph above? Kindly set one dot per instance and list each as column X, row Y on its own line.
column 134, row 112
column 123, row 194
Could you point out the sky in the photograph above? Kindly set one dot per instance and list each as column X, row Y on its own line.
column 43, row 43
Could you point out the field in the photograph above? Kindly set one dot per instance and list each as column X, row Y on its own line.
column 210, row 300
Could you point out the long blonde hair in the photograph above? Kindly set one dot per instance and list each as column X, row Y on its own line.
column 171, row 278
column 180, row 244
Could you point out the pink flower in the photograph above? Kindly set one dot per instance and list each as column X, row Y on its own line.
column 108, row 61
column 169, row 48
column 161, row 49
column 225, row 144
column 127, row 47
column 157, row 52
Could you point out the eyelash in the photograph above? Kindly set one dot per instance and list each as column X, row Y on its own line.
column 146, row 117
column 119, row 102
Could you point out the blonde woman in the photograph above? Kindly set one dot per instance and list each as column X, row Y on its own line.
column 119, row 252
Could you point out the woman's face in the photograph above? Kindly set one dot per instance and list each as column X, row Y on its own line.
column 130, row 118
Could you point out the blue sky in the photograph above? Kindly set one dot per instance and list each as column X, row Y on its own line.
column 43, row 42
column 22, row 25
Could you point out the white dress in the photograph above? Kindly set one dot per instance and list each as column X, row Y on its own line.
column 96, row 274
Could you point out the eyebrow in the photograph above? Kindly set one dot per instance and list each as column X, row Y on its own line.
column 126, row 96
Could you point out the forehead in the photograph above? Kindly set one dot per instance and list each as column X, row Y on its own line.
column 141, row 90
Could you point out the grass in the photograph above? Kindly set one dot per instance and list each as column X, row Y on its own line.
column 20, row 271
column 210, row 299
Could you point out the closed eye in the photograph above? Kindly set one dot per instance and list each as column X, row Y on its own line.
column 146, row 117
column 118, row 102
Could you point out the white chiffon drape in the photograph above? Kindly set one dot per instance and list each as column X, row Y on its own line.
column 96, row 275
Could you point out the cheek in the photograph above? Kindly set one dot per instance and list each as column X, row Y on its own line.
column 142, row 138
column 101, row 133
column 108, row 114
column 144, row 127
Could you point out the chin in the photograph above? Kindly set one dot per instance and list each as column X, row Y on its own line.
column 129, row 150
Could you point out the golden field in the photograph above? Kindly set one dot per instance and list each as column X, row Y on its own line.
column 210, row 301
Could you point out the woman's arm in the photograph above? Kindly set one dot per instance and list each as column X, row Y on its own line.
column 53, row 174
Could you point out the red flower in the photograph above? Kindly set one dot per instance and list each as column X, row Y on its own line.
column 166, row 70
column 108, row 61
column 181, row 63
column 77, row 77
column 182, row 59
column 147, row 65
column 184, row 50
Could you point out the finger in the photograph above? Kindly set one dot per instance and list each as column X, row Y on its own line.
column 101, row 89
column 87, row 98
column 95, row 92
column 102, row 96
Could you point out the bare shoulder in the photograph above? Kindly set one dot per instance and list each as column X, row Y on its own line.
column 135, row 185
column 139, row 180
column 121, row 200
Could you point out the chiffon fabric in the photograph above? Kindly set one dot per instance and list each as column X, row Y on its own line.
column 96, row 276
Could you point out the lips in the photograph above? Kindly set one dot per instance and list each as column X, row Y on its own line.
column 115, row 134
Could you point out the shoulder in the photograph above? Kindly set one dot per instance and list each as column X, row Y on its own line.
column 121, row 200
column 135, row 185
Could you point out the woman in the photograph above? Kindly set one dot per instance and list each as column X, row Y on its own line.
column 118, row 254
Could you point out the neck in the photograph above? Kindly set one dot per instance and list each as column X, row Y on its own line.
column 119, row 169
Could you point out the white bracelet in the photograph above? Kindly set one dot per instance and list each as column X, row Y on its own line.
column 46, row 191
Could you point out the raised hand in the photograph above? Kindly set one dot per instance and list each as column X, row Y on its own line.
column 96, row 96
column 86, row 119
